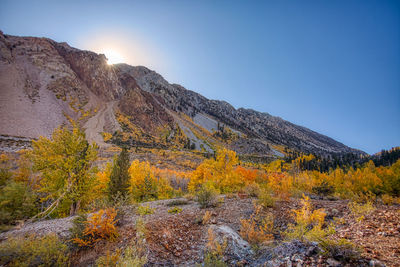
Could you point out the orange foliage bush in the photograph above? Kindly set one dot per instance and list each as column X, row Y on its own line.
column 99, row 226
column 256, row 230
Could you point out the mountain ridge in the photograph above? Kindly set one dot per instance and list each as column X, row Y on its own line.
column 47, row 80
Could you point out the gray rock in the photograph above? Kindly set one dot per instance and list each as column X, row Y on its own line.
column 376, row 263
column 237, row 248
column 333, row 263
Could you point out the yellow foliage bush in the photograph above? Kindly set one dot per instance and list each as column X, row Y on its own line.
column 219, row 172
column 145, row 185
column 308, row 223
column 106, row 136
column 281, row 185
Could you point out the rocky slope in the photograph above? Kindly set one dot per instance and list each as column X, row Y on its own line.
column 41, row 81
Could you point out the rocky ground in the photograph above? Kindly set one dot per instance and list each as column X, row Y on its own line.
column 180, row 239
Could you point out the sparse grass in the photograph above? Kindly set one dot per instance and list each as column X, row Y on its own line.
column 175, row 210
column 360, row 210
column 145, row 210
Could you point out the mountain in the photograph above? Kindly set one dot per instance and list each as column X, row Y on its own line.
column 43, row 81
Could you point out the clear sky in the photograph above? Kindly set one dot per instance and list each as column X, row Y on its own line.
column 332, row 66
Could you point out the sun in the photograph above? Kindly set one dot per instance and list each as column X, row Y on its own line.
column 113, row 57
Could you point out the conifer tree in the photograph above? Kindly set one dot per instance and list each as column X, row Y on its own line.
column 119, row 178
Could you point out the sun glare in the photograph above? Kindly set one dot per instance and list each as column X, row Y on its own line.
column 113, row 57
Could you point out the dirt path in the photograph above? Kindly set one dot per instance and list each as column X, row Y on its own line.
column 96, row 124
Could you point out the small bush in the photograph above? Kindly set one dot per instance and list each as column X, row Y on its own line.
column 360, row 210
column 175, row 210
column 17, row 202
column 215, row 251
column 231, row 195
column 206, row 196
column 211, row 260
column 145, row 210
column 341, row 250
column 135, row 255
column 177, row 202
column 99, row 226
column 206, row 217
column 257, row 230
column 252, row 190
column 122, row 204
column 189, row 197
column 110, row 259
column 388, row 199
column 34, row 251
column 308, row 224
column 266, row 199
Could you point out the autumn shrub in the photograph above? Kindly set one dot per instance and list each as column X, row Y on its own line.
column 177, row 202
column 134, row 255
column 388, row 199
column 215, row 251
column 266, row 199
column 341, row 249
column 308, row 223
column 123, row 205
column 34, row 251
column 17, row 202
column 5, row 176
column 360, row 210
column 206, row 196
column 110, row 259
column 252, row 190
column 145, row 210
column 206, row 217
column 257, row 230
column 175, row 210
column 98, row 226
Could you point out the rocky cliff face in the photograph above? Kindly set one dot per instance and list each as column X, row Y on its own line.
column 250, row 122
column 41, row 80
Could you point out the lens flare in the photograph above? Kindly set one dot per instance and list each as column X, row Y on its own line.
column 113, row 57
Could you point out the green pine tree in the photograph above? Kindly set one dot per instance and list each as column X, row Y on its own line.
column 119, row 178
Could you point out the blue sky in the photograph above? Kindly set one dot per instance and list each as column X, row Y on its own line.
column 332, row 66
